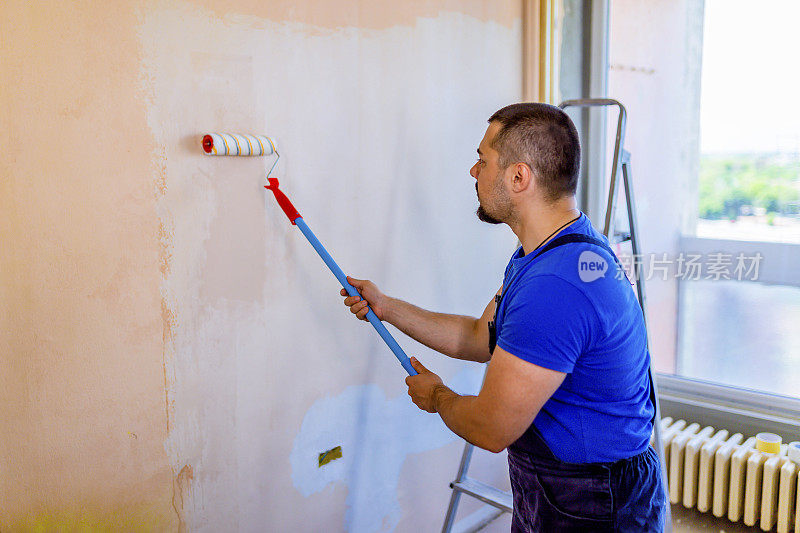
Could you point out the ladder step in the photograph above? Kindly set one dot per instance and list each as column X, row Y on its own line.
column 486, row 493
column 477, row 520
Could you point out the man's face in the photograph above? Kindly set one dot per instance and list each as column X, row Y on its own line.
column 493, row 199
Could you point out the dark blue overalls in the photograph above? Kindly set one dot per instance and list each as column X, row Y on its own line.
column 552, row 496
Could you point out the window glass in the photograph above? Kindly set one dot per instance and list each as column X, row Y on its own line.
column 749, row 179
column 743, row 334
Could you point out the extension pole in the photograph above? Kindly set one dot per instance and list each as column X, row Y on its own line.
column 297, row 220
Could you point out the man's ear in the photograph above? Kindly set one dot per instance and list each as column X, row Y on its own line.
column 523, row 178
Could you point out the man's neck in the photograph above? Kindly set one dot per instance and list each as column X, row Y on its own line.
column 536, row 226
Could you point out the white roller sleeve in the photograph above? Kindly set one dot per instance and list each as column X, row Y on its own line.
column 237, row 144
column 794, row 452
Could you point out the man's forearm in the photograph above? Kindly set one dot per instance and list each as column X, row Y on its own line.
column 462, row 415
column 452, row 335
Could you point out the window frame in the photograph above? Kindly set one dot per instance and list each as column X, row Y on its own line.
column 779, row 264
column 736, row 409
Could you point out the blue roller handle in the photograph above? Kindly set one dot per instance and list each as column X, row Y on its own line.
column 371, row 316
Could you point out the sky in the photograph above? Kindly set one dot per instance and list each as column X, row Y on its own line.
column 750, row 92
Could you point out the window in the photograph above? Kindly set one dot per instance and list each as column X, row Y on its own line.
column 749, row 180
column 741, row 334
column 737, row 332
column 714, row 134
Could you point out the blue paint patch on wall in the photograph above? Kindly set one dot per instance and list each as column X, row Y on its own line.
column 376, row 434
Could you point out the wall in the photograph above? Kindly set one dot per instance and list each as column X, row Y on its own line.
column 174, row 354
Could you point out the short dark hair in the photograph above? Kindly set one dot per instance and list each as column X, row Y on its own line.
column 544, row 137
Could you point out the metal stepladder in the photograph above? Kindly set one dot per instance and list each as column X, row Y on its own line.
column 498, row 501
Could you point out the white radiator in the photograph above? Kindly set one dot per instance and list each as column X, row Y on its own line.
column 725, row 474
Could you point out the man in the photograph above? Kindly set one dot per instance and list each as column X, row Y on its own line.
column 567, row 388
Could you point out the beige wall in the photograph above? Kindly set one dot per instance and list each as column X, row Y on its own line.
column 84, row 419
column 167, row 337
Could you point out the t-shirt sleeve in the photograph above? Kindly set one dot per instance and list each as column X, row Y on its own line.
column 548, row 322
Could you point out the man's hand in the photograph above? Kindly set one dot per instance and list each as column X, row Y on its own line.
column 371, row 296
column 423, row 387
column 512, row 394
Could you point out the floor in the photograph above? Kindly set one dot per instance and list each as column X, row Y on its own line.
column 683, row 521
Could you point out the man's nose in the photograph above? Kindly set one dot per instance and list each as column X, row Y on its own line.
column 474, row 171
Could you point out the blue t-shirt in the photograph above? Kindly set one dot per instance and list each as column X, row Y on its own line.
column 572, row 310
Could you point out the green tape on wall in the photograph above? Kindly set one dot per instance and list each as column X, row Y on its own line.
column 330, row 455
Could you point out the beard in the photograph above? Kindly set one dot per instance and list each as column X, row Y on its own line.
column 483, row 215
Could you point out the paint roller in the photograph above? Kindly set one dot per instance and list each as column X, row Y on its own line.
column 236, row 144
